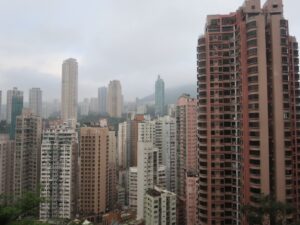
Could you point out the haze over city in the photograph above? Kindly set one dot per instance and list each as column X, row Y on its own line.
column 129, row 40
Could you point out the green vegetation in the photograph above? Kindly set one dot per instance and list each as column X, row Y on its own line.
column 23, row 211
column 268, row 211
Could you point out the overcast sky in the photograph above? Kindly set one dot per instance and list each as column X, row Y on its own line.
column 129, row 40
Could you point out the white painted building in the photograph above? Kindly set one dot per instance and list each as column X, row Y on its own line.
column 160, row 207
column 132, row 187
column 58, row 166
column 35, row 101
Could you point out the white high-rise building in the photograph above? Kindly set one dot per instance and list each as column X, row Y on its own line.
column 94, row 108
column 59, row 157
column 165, row 141
column 114, row 99
column 150, row 173
column 9, row 97
column 69, row 95
column 35, row 101
column 132, row 187
column 85, row 107
column 160, row 207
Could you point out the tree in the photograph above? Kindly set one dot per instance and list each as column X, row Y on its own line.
column 23, row 211
column 268, row 211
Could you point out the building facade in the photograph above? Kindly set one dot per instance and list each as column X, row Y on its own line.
column 248, row 79
column 94, row 160
column 114, row 99
column 59, row 167
column 160, row 207
column 27, row 153
column 35, row 101
column 186, row 135
column 69, row 90
column 9, row 97
column 132, row 187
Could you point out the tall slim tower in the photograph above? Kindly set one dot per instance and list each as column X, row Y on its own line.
column 248, row 79
column 27, row 153
column 159, row 97
column 94, row 161
column 69, row 95
column 35, row 101
column 0, row 104
column 186, row 135
column 114, row 99
column 102, row 97
column 16, row 110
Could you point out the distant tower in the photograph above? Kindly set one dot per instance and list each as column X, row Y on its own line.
column 16, row 110
column 114, row 99
column 35, row 101
column 69, row 96
column 10, row 94
column 102, row 96
column 159, row 96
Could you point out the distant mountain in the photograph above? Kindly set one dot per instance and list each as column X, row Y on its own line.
column 172, row 94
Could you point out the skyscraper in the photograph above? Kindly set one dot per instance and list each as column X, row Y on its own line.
column 16, row 110
column 59, row 158
column 69, row 94
column 114, row 99
column 159, row 97
column 27, row 153
column 10, row 94
column 94, row 160
column 102, row 97
column 0, row 105
column 186, row 135
column 35, row 101
column 248, row 79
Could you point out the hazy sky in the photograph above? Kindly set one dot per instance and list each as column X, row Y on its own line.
column 129, row 40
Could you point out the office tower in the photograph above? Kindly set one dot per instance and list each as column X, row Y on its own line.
column 134, row 134
column 16, row 110
column 165, row 141
column 27, row 153
column 35, row 101
column 94, row 150
column 132, row 188
column 159, row 97
column 186, row 135
column 59, row 157
column 160, row 207
column 93, row 107
column 112, row 172
column 102, row 97
column 248, row 79
column 9, row 96
column 69, row 94
column 6, row 165
column 114, row 99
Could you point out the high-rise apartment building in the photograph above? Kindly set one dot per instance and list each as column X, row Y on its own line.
column 160, row 207
column 112, row 172
column 186, row 135
column 132, row 188
column 69, row 91
column 133, row 139
column 6, row 165
column 94, row 157
column 102, row 100
column 0, row 104
column 123, row 142
column 248, row 95
column 35, row 101
column 159, row 97
column 27, row 153
column 94, row 106
column 165, row 141
column 114, row 99
column 59, row 158
column 9, row 97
